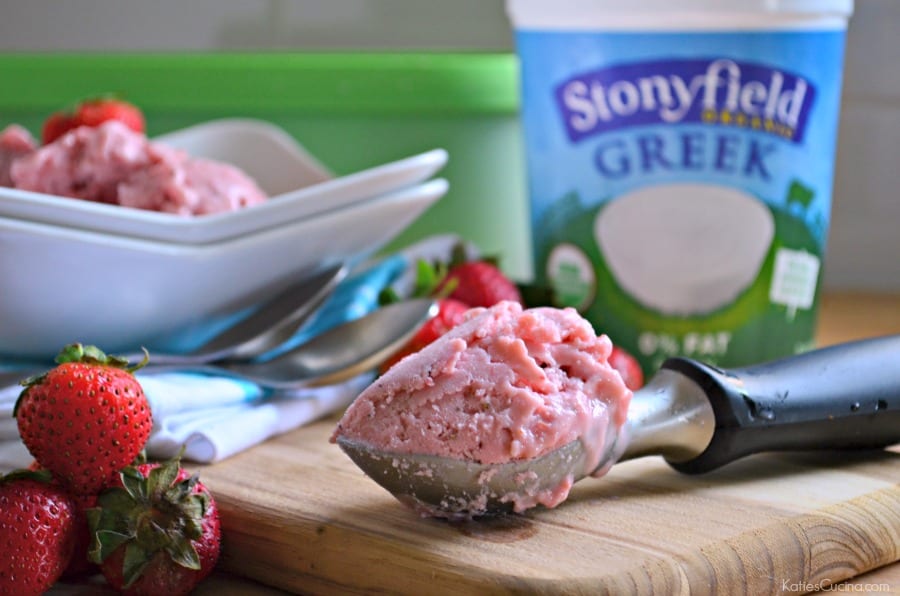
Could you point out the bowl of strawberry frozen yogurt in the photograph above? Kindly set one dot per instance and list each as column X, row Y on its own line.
column 113, row 164
column 210, row 182
column 112, row 238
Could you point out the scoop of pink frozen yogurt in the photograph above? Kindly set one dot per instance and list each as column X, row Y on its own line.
column 111, row 163
column 15, row 142
column 85, row 163
column 506, row 384
column 189, row 187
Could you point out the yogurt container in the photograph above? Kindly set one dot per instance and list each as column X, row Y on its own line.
column 680, row 162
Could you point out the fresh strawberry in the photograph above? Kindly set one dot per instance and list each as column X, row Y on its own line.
column 479, row 283
column 458, row 285
column 628, row 368
column 56, row 125
column 92, row 112
column 37, row 532
column 156, row 531
column 86, row 419
column 95, row 112
column 79, row 564
column 450, row 314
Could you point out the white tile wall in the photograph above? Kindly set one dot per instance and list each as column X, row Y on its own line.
column 864, row 245
column 205, row 24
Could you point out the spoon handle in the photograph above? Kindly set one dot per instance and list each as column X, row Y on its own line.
column 843, row 396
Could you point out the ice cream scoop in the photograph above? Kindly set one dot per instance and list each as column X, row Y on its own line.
column 697, row 416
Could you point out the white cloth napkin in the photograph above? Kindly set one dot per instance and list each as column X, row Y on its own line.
column 216, row 417
column 210, row 434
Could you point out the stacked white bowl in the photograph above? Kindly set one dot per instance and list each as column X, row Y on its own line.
column 73, row 270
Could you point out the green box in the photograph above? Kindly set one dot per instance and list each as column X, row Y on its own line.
column 351, row 110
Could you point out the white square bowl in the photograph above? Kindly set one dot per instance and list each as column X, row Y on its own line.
column 64, row 285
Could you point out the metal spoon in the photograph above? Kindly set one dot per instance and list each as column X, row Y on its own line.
column 697, row 416
column 338, row 354
column 266, row 328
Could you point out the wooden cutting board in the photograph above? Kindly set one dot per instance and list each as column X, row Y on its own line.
column 297, row 514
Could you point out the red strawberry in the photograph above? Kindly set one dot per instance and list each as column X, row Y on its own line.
column 628, row 368
column 480, row 283
column 450, row 313
column 461, row 285
column 86, row 419
column 56, row 125
column 79, row 564
column 95, row 112
column 37, row 532
column 156, row 531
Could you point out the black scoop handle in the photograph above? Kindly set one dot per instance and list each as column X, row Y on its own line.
column 843, row 396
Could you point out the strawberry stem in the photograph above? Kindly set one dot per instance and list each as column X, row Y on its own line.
column 89, row 354
column 148, row 515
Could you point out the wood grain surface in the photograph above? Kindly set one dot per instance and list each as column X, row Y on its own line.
column 753, row 527
column 298, row 515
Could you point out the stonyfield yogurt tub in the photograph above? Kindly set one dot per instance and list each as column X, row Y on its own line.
column 680, row 165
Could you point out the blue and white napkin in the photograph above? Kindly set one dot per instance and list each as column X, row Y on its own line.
column 215, row 417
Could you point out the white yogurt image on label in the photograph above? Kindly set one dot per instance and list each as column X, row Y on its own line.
column 685, row 249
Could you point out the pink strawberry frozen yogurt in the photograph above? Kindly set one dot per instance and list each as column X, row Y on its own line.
column 189, row 187
column 15, row 142
column 507, row 384
column 111, row 163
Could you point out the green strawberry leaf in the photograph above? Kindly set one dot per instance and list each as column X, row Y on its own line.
column 104, row 543
column 71, row 353
column 151, row 515
column 162, row 478
column 135, row 561
column 89, row 354
column 427, row 278
column 458, row 255
column 151, row 536
column 38, row 475
column 388, row 295
column 134, row 484
column 140, row 458
column 193, row 528
column 183, row 553
column 118, row 500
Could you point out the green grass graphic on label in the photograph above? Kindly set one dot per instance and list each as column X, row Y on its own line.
column 775, row 315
